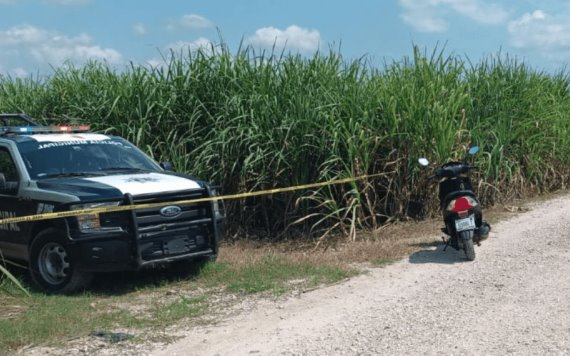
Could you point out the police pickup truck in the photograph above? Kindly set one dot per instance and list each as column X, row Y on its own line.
column 45, row 169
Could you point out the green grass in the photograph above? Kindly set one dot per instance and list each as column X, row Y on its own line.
column 47, row 318
column 7, row 280
column 149, row 302
column 55, row 318
column 381, row 262
column 182, row 307
column 271, row 274
column 252, row 121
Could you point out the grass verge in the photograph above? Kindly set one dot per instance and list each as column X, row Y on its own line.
column 151, row 300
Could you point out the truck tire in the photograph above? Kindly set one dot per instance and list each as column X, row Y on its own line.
column 52, row 267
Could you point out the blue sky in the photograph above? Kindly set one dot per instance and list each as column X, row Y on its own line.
column 38, row 35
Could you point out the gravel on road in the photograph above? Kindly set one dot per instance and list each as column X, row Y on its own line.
column 513, row 299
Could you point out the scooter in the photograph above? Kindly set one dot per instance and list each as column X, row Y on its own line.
column 461, row 209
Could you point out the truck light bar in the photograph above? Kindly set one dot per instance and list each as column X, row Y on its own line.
column 44, row 129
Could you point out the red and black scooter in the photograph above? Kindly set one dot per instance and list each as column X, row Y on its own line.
column 462, row 213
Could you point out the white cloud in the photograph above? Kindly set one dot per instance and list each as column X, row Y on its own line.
column 431, row 15
column 540, row 30
column 38, row 48
column 194, row 21
column 201, row 43
column 139, row 29
column 292, row 38
column 66, row 2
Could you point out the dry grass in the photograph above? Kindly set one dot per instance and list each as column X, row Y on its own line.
column 11, row 308
column 389, row 243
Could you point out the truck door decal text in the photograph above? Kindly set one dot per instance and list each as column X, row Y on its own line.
column 45, row 208
column 10, row 226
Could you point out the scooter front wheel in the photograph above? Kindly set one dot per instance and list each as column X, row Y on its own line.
column 467, row 241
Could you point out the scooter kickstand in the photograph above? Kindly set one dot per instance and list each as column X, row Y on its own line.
column 446, row 243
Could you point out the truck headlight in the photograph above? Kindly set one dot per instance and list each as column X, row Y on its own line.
column 92, row 222
column 217, row 205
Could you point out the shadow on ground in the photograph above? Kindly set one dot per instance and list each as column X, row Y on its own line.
column 436, row 254
column 118, row 283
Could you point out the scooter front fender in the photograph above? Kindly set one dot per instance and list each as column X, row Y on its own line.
column 466, row 235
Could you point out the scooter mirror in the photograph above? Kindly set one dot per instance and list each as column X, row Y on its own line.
column 423, row 162
column 473, row 150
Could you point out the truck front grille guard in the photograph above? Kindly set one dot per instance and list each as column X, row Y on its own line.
column 147, row 224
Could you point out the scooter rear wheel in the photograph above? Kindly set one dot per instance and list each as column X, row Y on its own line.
column 467, row 241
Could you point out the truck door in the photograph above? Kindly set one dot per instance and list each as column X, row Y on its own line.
column 13, row 236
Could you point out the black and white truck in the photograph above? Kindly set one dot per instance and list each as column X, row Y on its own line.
column 50, row 169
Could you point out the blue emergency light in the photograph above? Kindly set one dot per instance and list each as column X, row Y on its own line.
column 44, row 129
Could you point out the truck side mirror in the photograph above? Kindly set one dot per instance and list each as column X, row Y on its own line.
column 167, row 166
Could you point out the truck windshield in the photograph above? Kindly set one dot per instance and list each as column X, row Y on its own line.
column 48, row 159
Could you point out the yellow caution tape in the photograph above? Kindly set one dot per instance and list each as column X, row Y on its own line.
column 110, row 209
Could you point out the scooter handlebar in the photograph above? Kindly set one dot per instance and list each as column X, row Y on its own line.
column 452, row 171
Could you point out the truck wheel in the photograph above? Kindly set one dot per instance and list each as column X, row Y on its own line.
column 52, row 267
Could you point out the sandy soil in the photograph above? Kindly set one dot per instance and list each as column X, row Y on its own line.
column 513, row 299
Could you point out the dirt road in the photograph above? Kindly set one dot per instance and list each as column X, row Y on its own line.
column 513, row 299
